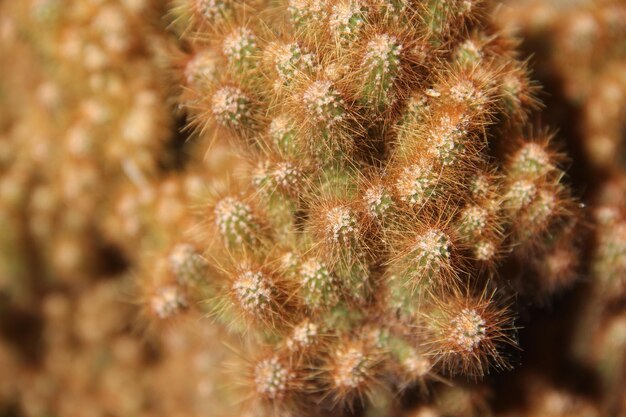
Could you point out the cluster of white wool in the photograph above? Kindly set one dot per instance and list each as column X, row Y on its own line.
column 212, row 10
column 543, row 207
column 347, row 18
column 271, row 378
column 484, row 250
column 231, row 106
column 469, row 51
column 318, row 282
column 351, row 367
column 431, row 249
column 382, row 54
column 521, row 193
column 303, row 335
column 235, row 220
column 341, row 225
column 291, row 59
column 286, row 175
column 239, row 45
column 289, row 261
column 464, row 91
column 280, row 127
column 187, row 264
column 253, row 291
column 202, row 68
column 474, row 219
column 307, row 11
column 532, row 159
column 416, row 183
column 468, row 329
column 480, row 185
column 445, row 140
column 416, row 365
column 283, row 176
column 417, row 103
column 377, row 200
column 168, row 301
column 324, row 103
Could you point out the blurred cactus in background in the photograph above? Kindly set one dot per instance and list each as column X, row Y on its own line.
column 84, row 123
column 580, row 47
column 580, row 50
column 84, row 110
column 312, row 207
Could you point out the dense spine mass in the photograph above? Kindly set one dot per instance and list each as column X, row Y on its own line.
column 393, row 185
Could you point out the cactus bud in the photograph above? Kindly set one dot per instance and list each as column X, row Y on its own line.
column 417, row 183
column 202, row 69
column 212, row 11
column 480, row 186
column 484, row 251
column 168, row 301
column 416, row 110
column 520, row 194
column 253, row 291
column 240, row 48
column 187, row 264
column 415, row 365
column 468, row 53
column 318, row 284
column 284, row 177
column 347, row 20
column 381, row 65
column 445, row 140
column 430, row 253
column 531, row 161
column 303, row 335
column 307, row 13
column 236, row 222
column 470, row 330
column 272, row 378
column 282, row 133
column 323, row 104
column 291, row 60
column 473, row 221
column 342, row 226
column 378, row 201
column 232, row 108
column 352, row 369
column 540, row 210
column 259, row 294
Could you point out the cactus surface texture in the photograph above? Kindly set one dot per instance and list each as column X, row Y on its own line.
column 265, row 208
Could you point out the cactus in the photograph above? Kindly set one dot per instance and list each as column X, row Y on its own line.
column 358, row 212
column 378, row 145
